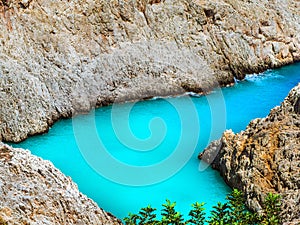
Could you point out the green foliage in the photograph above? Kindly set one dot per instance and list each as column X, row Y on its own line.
column 145, row 216
column 197, row 214
column 219, row 214
column 148, row 216
column 170, row 216
column 239, row 214
column 233, row 212
column 132, row 219
column 272, row 210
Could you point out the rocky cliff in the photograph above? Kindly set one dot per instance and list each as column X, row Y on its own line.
column 59, row 58
column 264, row 158
column 63, row 57
column 33, row 191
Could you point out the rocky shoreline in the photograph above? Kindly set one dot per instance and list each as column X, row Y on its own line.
column 59, row 58
column 33, row 191
column 264, row 158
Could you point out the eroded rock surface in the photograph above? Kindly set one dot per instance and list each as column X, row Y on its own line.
column 62, row 57
column 264, row 158
column 33, row 191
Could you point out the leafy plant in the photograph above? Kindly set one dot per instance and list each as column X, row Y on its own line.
column 197, row 214
column 147, row 215
column 132, row 219
column 233, row 212
column 239, row 214
column 272, row 210
column 170, row 216
column 219, row 214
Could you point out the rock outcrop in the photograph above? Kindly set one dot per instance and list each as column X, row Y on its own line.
column 33, row 191
column 264, row 158
column 58, row 58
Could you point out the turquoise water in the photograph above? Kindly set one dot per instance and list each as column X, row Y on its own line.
column 130, row 155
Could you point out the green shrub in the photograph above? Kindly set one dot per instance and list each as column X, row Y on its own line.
column 232, row 212
column 272, row 210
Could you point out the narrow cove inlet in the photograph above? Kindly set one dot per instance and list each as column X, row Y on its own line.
column 161, row 124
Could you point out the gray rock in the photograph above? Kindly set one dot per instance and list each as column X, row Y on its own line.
column 264, row 158
column 60, row 58
column 33, row 191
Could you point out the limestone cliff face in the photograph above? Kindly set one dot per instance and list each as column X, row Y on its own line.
column 33, row 191
column 264, row 158
column 62, row 57
column 58, row 58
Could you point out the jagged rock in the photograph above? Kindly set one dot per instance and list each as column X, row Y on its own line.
column 264, row 158
column 33, row 191
column 58, row 58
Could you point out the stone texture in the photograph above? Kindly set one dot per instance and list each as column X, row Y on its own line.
column 264, row 158
column 33, row 191
column 58, row 58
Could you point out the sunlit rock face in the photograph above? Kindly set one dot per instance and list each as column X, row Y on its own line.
column 58, row 58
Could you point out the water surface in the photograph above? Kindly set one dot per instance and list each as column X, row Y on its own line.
column 249, row 99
